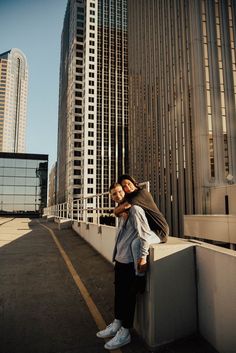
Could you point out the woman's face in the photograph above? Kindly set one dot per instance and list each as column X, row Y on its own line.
column 128, row 186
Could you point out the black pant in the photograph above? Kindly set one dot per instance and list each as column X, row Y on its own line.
column 125, row 293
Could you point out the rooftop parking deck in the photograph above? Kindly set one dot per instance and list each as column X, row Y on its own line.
column 56, row 291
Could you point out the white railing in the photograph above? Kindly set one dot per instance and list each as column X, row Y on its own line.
column 82, row 210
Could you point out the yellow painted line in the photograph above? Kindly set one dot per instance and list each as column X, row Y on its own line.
column 100, row 322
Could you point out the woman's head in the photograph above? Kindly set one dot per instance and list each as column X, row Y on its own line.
column 128, row 183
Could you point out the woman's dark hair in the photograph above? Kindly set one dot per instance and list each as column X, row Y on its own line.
column 128, row 177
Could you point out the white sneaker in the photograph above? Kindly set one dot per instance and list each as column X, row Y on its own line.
column 110, row 330
column 121, row 339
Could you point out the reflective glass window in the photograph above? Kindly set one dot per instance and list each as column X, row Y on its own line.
column 8, row 180
column 32, row 163
column 31, row 172
column 5, row 162
column 9, row 171
column 20, row 180
column 23, row 185
column 8, row 189
column 19, row 190
column 20, row 163
column 20, row 172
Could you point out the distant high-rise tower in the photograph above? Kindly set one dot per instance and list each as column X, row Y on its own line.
column 182, row 102
column 93, row 101
column 13, row 100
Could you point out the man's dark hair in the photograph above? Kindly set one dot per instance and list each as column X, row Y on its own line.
column 114, row 185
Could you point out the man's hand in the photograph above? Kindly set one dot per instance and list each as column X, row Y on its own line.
column 142, row 265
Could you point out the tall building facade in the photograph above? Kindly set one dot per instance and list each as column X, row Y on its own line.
column 182, row 101
column 52, row 185
column 93, row 99
column 13, row 100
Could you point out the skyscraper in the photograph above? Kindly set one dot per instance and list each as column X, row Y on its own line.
column 13, row 100
column 182, row 102
column 93, row 100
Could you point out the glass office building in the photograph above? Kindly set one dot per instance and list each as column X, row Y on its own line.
column 23, row 183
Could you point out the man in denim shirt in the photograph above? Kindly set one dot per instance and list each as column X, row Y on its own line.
column 131, row 248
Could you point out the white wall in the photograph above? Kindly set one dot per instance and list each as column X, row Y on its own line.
column 102, row 238
column 168, row 309
column 186, row 282
column 211, row 227
column 217, row 199
column 217, row 296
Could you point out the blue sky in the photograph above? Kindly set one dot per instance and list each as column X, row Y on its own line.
column 34, row 26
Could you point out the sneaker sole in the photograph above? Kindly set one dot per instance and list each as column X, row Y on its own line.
column 118, row 345
column 107, row 336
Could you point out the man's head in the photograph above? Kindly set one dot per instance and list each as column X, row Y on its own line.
column 116, row 192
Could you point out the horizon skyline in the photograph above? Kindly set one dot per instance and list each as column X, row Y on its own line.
column 35, row 29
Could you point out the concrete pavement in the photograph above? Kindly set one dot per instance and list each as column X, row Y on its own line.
column 42, row 309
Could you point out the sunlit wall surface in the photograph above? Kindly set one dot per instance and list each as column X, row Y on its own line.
column 93, row 102
column 182, row 101
column 23, row 183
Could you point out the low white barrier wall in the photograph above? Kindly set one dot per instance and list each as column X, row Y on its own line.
column 167, row 311
column 216, row 284
column 211, row 227
column 102, row 238
column 191, row 287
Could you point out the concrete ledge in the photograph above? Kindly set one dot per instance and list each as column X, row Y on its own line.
column 63, row 223
column 168, row 309
column 212, row 227
column 101, row 237
column 216, row 268
column 50, row 218
column 190, row 288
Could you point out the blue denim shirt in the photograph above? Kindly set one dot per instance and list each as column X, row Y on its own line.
column 135, row 226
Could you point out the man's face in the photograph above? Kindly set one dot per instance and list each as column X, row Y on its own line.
column 117, row 194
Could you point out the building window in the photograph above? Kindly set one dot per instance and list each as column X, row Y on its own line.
column 77, row 163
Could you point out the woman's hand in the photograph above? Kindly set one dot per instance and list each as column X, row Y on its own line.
column 121, row 208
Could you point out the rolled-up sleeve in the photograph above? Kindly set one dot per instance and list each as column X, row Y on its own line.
column 139, row 221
